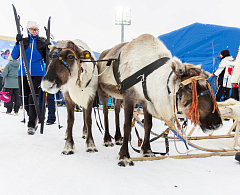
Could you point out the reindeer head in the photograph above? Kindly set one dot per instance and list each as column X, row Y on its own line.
column 195, row 97
column 65, row 66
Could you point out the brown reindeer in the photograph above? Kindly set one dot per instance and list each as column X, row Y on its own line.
column 75, row 78
column 170, row 85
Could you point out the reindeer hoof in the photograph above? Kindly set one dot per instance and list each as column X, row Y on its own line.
column 131, row 163
column 119, row 143
column 106, row 144
column 91, row 150
column 121, row 164
column 68, row 152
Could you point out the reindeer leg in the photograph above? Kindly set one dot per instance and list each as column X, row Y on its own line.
column 107, row 140
column 124, row 157
column 146, row 148
column 69, row 145
column 84, row 131
column 118, row 137
column 90, row 146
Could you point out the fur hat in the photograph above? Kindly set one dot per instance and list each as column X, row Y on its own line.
column 10, row 58
column 31, row 24
column 225, row 53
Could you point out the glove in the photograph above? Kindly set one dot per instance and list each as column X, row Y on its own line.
column 18, row 38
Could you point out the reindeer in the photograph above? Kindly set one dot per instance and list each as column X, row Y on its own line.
column 75, row 78
column 146, row 73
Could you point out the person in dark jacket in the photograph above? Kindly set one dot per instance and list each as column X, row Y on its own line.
column 35, row 49
column 10, row 73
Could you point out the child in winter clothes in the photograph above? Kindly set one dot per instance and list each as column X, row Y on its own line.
column 224, row 76
column 35, row 49
column 10, row 73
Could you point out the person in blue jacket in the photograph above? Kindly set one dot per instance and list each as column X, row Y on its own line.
column 35, row 49
column 10, row 73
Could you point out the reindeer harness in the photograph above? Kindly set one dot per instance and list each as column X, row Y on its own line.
column 193, row 112
column 78, row 82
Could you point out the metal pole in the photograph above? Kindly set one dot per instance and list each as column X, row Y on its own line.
column 122, row 37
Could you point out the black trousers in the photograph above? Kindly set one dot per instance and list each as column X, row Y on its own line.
column 14, row 94
column 222, row 93
column 235, row 94
column 51, row 106
column 28, row 100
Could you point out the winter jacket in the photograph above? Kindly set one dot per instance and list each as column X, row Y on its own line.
column 10, row 72
column 224, row 72
column 35, row 49
column 236, row 71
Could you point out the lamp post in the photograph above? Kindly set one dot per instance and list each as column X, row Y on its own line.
column 122, row 17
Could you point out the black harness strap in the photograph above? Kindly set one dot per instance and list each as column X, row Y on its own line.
column 169, row 92
column 116, row 73
column 140, row 75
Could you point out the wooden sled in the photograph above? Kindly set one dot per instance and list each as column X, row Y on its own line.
column 226, row 112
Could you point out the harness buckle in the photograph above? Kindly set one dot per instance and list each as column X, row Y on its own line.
column 142, row 77
column 181, row 85
column 119, row 87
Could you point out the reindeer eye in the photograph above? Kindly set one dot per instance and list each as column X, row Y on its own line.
column 70, row 57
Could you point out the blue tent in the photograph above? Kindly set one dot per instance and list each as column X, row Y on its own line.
column 195, row 43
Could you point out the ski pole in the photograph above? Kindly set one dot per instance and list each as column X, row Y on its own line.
column 47, row 63
column 23, row 102
column 59, row 126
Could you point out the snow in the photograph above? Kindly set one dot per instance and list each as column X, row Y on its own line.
column 32, row 165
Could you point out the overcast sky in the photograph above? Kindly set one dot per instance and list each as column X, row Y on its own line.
column 93, row 21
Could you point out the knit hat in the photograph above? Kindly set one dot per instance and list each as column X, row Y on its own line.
column 31, row 24
column 225, row 53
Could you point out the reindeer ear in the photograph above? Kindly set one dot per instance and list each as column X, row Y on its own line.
column 71, row 45
column 178, row 68
column 86, row 54
column 51, row 47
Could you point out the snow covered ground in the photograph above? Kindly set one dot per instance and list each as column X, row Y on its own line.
column 32, row 165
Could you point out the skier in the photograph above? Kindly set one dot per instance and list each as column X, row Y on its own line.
column 35, row 49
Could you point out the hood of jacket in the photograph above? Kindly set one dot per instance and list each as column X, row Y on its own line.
column 14, row 63
column 228, row 58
